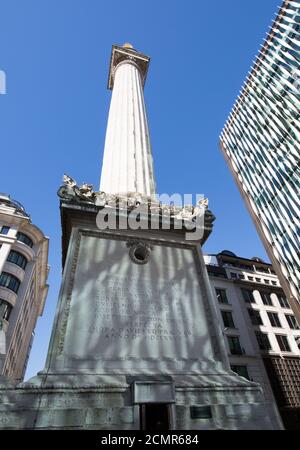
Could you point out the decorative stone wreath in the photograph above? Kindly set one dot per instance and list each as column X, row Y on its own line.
column 139, row 251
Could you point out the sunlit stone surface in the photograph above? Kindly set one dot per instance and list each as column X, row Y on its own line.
column 127, row 162
column 127, row 314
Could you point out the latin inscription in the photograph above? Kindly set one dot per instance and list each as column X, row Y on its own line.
column 147, row 313
column 123, row 311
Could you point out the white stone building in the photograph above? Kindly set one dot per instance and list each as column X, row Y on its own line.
column 23, row 288
column 261, row 332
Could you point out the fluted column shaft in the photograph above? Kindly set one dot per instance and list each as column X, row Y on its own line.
column 127, row 161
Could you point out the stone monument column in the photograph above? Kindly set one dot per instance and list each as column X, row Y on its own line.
column 127, row 162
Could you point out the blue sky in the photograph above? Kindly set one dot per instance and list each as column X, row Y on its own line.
column 55, row 54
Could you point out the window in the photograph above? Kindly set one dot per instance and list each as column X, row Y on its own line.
column 240, row 370
column 274, row 319
column 258, row 280
column 266, row 298
column 263, row 341
column 244, row 266
column 234, row 345
column 21, row 237
column 255, row 317
column 283, row 301
column 293, row 324
column 233, row 275
column 262, row 269
column 221, row 295
column 283, row 343
column 267, row 281
column 227, row 319
column 216, row 274
column 4, row 230
column 17, row 258
column 9, row 281
column 248, row 296
column 5, row 309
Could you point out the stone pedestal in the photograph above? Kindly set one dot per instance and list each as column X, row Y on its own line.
column 135, row 324
column 70, row 403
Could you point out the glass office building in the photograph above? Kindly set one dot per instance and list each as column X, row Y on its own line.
column 261, row 142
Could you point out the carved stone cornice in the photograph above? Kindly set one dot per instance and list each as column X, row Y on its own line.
column 84, row 194
column 121, row 54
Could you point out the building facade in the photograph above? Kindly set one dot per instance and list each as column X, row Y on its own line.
column 261, row 332
column 23, row 288
column 261, row 144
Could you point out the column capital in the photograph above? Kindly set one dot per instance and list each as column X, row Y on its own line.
column 127, row 53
